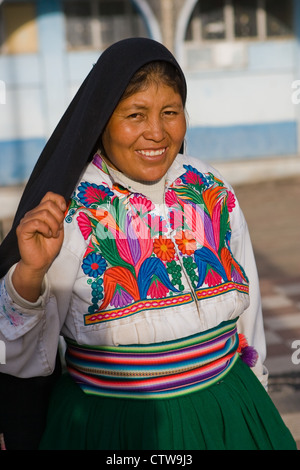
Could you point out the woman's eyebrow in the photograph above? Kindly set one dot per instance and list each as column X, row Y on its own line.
column 133, row 106
column 140, row 106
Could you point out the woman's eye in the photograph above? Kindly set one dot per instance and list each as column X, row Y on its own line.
column 135, row 116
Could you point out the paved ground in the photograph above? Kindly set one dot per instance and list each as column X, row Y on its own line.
column 272, row 210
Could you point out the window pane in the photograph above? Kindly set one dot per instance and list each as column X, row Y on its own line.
column 245, row 21
column 19, row 28
column 119, row 19
column 2, row 37
column 111, row 7
column 279, row 17
column 78, row 24
column 213, row 23
column 207, row 21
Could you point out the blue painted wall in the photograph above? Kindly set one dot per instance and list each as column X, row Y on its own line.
column 236, row 142
column 246, row 111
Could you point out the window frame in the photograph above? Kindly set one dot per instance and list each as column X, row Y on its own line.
column 96, row 25
column 229, row 21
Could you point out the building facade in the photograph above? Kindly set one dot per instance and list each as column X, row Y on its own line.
column 240, row 58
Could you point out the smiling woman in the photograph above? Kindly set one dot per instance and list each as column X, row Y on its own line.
column 140, row 257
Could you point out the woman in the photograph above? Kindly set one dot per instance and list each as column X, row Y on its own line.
column 140, row 257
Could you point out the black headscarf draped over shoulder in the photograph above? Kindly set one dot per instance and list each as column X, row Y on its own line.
column 71, row 145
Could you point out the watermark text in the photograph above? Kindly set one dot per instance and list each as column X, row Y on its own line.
column 2, row 352
column 2, row 92
column 296, row 353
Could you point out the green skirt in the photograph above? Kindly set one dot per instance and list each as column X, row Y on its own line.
column 234, row 414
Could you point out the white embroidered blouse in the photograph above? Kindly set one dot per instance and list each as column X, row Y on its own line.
column 139, row 264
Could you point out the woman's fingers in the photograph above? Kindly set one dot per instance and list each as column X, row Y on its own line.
column 56, row 199
column 47, row 218
column 46, row 221
column 41, row 224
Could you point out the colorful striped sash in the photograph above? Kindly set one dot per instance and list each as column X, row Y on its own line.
column 161, row 370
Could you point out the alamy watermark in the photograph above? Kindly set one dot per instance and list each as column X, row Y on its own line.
column 296, row 94
column 2, row 92
column 296, row 353
column 2, row 352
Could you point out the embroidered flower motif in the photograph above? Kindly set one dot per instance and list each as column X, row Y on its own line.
column 193, row 176
column 157, row 290
column 164, row 248
column 171, row 198
column 121, row 298
column 230, row 201
column 157, row 224
column 90, row 194
column 236, row 276
column 186, row 242
column 84, row 225
column 93, row 265
column 213, row 278
column 142, row 204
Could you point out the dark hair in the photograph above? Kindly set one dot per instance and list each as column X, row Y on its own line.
column 154, row 72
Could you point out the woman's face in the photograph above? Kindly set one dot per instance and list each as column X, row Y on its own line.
column 145, row 133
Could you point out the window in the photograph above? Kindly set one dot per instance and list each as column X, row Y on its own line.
column 78, row 24
column 208, row 20
column 18, row 29
column 245, row 21
column 99, row 23
column 240, row 19
column 279, row 19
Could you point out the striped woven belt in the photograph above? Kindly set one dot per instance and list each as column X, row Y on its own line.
column 161, row 370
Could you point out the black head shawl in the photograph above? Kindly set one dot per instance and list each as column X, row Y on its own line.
column 73, row 141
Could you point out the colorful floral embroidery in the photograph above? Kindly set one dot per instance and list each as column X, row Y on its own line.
column 205, row 203
column 100, row 163
column 142, row 205
column 194, row 177
column 175, row 272
column 84, row 225
column 131, row 256
column 92, row 194
column 186, row 242
column 94, row 265
column 157, row 290
column 156, row 224
column 164, row 248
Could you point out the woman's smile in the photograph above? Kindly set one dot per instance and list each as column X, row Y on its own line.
column 152, row 153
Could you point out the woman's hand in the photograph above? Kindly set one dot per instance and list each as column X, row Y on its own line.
column 40, row 236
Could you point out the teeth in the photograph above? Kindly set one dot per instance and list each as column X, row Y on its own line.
column 152, row 153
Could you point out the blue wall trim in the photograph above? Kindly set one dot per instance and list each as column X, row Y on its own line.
column 17, row 159
column 243, row 141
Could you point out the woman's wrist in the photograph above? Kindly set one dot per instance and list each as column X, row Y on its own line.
column 27, row 281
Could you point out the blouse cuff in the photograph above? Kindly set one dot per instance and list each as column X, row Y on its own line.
column 18, row 300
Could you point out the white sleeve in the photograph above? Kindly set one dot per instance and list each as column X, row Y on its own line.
column 250, row 322
column 30, row 331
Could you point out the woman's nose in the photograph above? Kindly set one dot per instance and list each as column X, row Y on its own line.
column 155, row 130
